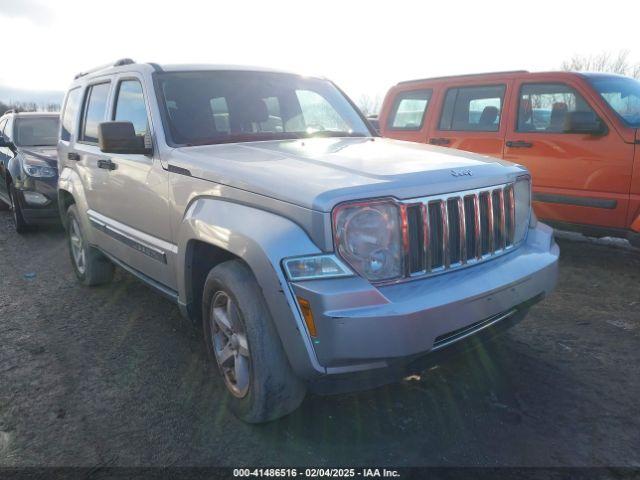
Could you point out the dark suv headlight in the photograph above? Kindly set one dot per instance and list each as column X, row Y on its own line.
column 368, row 237
column 34, row 167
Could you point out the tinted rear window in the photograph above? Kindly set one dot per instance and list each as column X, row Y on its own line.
column 36, row 131
column 473, row 109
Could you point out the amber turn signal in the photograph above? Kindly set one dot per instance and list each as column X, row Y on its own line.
column 307, row 314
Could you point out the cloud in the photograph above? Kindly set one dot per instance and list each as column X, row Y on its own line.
column 33, row 10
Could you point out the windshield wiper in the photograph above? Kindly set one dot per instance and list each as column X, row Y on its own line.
column 336, row 133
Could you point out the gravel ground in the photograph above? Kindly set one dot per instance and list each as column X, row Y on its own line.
column 114, row 376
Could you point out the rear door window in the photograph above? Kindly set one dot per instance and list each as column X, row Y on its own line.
column 94, row 111
column 543, row 107
column 69, row 114
column 409, row 109
column 475, row 109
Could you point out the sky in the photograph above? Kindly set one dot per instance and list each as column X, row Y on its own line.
column 364, row 46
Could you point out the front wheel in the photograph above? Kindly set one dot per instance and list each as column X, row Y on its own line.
column 18, row 218
column 243, row 341
column 91, row 267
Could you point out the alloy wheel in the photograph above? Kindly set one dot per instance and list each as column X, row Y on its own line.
column 230, row 345
column 14, row 207
column 77, row 246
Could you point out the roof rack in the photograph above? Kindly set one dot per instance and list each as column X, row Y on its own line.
column 117, row 63
column 463, row 75
column 11, row 110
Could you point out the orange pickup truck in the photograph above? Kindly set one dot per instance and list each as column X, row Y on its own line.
column 578, row 134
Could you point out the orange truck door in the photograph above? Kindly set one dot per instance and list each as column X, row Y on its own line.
column 470, row 118
column 578, row 177
column 634, row 198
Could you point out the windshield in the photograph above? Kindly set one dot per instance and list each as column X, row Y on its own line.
column 240, row 106
column 622, row 94
column 36, row 131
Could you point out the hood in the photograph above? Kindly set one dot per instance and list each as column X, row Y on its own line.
column 48, row 154
column 318, row 173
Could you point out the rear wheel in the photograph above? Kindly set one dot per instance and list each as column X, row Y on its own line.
column 91, row 267
column 242, row 340
column 18, row 218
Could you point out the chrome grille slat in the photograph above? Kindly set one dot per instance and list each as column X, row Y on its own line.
column 478, row 226
column 404, row 222
column 463, row 230
column 503, row 220
column 444, row 214
column 490, row 220
column 512, row 213
column 426, row 235
column 450, row 231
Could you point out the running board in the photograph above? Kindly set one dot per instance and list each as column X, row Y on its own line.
column 159, row 287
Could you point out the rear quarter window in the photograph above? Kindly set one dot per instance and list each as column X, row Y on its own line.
column 409, row 109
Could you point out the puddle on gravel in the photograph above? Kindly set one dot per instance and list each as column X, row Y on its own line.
column 4, row 441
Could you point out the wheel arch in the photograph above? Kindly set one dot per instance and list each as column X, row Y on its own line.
column 71, row 191
column 221, row 230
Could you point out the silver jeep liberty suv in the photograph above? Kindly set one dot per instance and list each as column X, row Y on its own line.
column 315, row 254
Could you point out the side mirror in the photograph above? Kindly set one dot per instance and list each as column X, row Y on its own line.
column 120, row 137
column 4, row 143
column 584, row 122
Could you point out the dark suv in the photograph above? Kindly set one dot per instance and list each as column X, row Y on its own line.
column 29, row 167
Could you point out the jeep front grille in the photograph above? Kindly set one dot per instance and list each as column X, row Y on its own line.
column 450, row 231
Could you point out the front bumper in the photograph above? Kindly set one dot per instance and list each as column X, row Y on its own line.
column 361, row 327
column 39, row 214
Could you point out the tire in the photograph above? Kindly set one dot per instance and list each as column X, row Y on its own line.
column 5, row 206
column 250, row 342
column 18, row 219
column 90, row 266
column 634, row 239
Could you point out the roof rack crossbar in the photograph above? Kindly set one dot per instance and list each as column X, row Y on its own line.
column 463, row 75
column 117, row 63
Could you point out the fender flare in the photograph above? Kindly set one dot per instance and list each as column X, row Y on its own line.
column 261, row 239
column 14, row 169
column 69, row 181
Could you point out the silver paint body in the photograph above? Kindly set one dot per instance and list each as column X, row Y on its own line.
column 266, row 201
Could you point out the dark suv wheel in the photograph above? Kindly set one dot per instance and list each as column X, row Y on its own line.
column 91, row 267
column 242, row 340
column 18, row 219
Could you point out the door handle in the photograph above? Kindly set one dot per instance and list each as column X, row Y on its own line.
column 106, row 164
column 439, row 141
column 73, row 156
column 519, row 144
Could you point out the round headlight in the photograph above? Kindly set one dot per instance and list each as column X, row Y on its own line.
column 368, row 237
column 371, row 230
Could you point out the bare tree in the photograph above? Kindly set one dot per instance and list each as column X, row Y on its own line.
column 29, row 107
column 52, row 107
column 369, row 105
column 603, row 62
